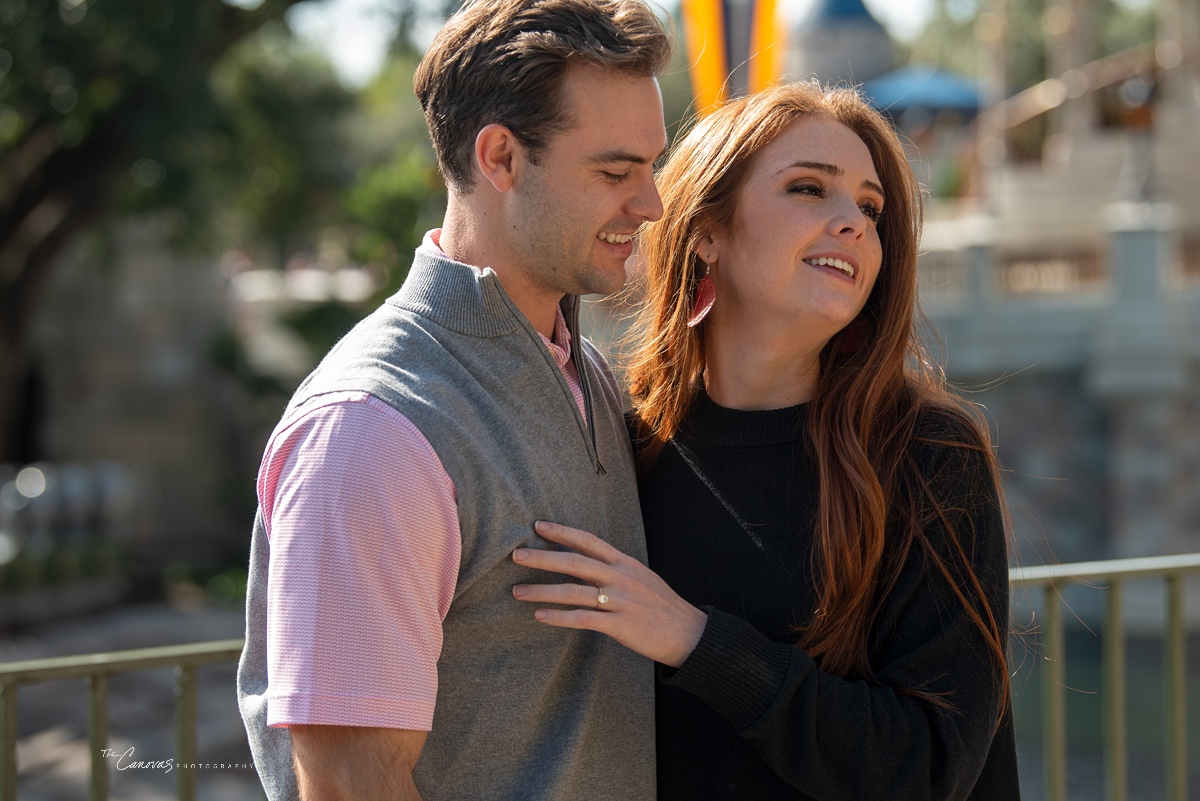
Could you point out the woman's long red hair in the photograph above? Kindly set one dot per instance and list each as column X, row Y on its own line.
column 864, row 413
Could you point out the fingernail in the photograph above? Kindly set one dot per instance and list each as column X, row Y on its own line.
column 541, row 525
column 540, row 614
column 520, row 591
column 520, row 555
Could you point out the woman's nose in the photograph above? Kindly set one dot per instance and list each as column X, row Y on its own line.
column 848, row 218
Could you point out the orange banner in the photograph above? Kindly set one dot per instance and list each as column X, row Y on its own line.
column 767, row 46
column 715, row 30
column 704, row 31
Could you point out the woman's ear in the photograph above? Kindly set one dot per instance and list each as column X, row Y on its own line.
column 706, row 248
column 498, row 156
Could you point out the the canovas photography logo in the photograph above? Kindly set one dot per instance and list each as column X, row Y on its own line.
column 127, row 760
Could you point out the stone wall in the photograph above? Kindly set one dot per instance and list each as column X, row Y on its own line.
column 1053, row 444
column 1092, row 387
column 124, row 340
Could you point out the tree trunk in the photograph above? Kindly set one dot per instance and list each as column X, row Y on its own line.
column 14, row 366
column 76, row 194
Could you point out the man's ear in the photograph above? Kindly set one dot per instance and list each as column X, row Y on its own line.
column 498, row 156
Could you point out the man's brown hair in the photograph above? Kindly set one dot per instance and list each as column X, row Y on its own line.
column 504, row 61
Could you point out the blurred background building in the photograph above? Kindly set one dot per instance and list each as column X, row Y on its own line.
column 198, row 197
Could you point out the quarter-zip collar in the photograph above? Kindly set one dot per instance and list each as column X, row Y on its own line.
column 472, row 301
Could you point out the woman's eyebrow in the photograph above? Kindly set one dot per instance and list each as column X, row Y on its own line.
column 835, row 171
column 820, row 166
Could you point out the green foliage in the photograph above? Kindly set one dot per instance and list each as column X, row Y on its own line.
column 398, row 193
column 64, row 565
column 391, row 207
column 190, row 105
column 227, row 588
column 1127, row 25
column 948, row 38
column 73, row 64
column 227, row 353
column 321, row 325
column 214, row 114
column 679, row 107
column 107, row 108
column 286, row 114
column 1025, row 51
column 217, row 586
column 125, row 80
column 950, row 41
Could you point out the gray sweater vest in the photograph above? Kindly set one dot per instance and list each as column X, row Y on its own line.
column 524, row 710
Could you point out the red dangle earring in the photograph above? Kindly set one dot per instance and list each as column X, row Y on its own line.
column 706, row 295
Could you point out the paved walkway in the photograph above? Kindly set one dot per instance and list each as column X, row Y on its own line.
column 52, row 751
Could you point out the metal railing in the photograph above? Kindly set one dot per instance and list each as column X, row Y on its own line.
column 1051, row 579
column 96, row 669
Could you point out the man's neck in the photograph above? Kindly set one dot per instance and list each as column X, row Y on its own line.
column 468, row 236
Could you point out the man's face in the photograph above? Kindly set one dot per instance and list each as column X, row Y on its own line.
column 575, row 211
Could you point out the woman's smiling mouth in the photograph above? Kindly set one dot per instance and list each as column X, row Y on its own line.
column 832, row 261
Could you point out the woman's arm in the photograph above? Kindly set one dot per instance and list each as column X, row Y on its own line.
column 826, row 735
column 835, row 738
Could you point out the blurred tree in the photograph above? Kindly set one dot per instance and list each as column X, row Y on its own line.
column 208, row 114
column 397, row 193
column 269, row 175
column 949, row 41
column 100, row 103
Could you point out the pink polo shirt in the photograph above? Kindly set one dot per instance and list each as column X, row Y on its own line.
column 365, row 547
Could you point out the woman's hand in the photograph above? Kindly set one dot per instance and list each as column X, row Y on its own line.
column 622, row 598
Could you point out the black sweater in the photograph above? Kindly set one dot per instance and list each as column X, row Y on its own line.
column 729, row 508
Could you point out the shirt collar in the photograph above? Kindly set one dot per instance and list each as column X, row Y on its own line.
column 559, row 343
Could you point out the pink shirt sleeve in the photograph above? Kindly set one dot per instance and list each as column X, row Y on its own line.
column 365, row 549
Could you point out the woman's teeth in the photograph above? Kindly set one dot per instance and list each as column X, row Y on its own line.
column 615, row 239
column 825, row 261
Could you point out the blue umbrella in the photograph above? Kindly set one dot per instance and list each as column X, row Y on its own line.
column 925, row 87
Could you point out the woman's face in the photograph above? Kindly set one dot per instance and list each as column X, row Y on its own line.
column 803, row 249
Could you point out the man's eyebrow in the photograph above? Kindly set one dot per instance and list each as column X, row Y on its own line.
column 623, row 156
column 835, row 171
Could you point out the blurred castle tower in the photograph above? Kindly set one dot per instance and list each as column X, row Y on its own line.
column 839, row 42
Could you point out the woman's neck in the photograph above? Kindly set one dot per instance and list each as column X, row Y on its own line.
column 749, row 368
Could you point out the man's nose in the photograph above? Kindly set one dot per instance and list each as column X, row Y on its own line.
column 647, row 203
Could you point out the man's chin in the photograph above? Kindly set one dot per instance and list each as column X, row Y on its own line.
column 606, row 281
column 603, row 290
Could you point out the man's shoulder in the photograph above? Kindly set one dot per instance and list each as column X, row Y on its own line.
column 352, row 408
column 596, row 356
column 390, row 344
column 344, row 428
